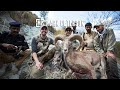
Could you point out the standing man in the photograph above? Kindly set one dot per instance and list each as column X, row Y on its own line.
column 88, row 37
column 104, row 43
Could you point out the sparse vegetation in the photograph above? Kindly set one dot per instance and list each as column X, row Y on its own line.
column 51, row 29
column 59, row 32
column 24, row 17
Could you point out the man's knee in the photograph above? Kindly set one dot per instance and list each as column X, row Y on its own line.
column 6, row 58
column 28, row 51
column 51, row 52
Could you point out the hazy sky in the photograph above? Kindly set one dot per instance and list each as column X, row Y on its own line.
column 67, row 17
column 80, row 16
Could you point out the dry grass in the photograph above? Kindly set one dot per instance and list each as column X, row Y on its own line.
column 57, row 32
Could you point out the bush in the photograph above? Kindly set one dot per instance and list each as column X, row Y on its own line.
column 51, row 29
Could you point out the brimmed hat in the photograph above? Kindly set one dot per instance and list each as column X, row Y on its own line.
column 98, row 24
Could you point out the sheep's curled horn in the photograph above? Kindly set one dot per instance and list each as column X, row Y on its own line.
column 76, row 37
column 70, row 38
column 58, row 37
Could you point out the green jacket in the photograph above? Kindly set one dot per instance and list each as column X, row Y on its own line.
column 108, row 44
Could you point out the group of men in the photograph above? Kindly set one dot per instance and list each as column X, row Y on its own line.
column 14, row 48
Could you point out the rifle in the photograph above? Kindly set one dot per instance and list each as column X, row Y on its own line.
column 18, row 52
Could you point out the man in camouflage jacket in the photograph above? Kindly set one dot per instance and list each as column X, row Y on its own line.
column 104, row 43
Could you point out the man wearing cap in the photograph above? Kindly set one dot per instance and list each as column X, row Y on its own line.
column 13, row 46
column 40, row 51
column 104, row 43
column 88, row 37
column 68, row 31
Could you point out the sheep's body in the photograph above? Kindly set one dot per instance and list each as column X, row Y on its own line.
column 84, row 62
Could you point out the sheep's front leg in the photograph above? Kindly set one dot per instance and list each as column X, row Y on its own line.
column 103, row 69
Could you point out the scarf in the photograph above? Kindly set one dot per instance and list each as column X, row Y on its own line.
column 101, row 34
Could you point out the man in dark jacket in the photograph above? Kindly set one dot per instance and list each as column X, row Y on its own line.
column 13, row 46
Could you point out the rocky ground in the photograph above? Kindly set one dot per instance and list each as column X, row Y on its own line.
column 52, row 70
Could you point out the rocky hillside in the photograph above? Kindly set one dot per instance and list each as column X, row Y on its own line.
column 28, row 21
column 24, row 17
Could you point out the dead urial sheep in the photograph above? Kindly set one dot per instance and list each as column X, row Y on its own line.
column 82, row 62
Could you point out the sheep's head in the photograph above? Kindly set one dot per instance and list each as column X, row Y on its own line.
column 67, row 41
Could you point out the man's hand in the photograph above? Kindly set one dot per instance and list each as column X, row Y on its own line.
column 108, row 53
column 39, row 65
column 9, row 46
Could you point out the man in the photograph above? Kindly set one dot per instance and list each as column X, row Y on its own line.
column 104, row 43
column 40, row 52
column 88, row 37
column 13, row 47
column 68, row 31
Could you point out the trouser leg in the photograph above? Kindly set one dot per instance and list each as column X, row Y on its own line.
column 112, row 69
column 49, row 55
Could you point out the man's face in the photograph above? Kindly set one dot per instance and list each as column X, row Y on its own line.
column 44, row 31
column 14, row 30
column 100, row 28
column 68, row 32
column 88, row 28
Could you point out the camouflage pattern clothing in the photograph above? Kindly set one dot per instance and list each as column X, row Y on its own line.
column 107, row 42
column 40, row 46
column 104, row 43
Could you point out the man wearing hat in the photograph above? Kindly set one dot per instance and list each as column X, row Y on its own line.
column 40, row 52
column 88, row 37
column 13, row 46
column 104, row 43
